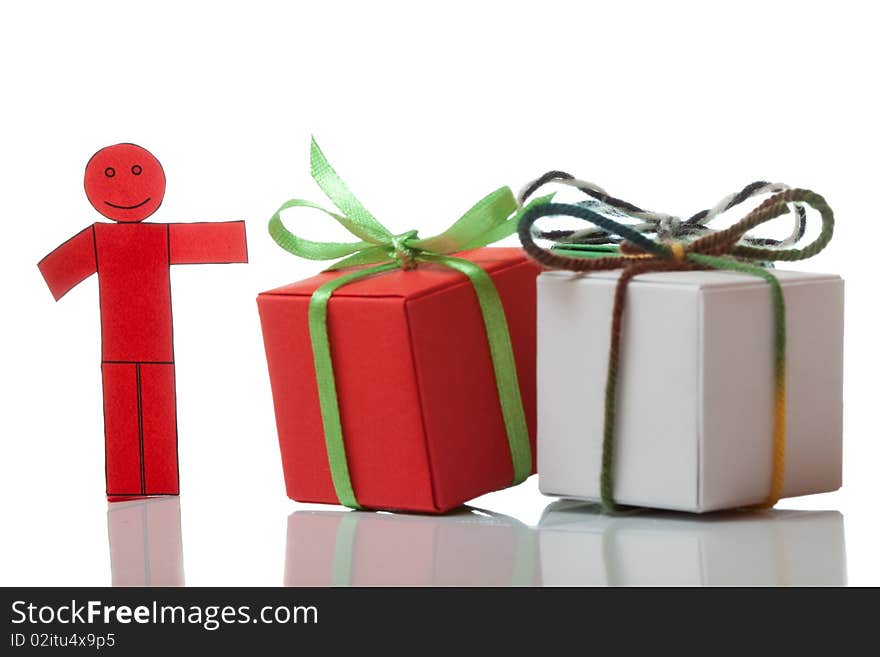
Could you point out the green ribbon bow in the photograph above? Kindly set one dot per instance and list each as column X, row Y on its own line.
column 494, row 217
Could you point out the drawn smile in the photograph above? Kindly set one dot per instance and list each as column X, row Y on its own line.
column 128, row 207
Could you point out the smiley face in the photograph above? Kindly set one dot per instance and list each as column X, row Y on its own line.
column 125, row 182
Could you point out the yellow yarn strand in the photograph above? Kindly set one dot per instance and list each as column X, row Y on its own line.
column 678, row 251
column 777, row 478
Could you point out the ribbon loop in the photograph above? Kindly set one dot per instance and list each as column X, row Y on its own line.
column 731, row 249
column 355, row 217
column 664, row 226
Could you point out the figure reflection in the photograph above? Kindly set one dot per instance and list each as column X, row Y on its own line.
column 145, row 542
column 580, row 546
column 353, row 548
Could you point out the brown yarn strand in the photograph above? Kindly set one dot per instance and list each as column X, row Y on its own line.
column 606, row 478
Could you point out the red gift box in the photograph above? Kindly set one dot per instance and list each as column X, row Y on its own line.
column 419, row 405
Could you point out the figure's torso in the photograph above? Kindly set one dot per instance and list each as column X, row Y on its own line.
column 135, row 290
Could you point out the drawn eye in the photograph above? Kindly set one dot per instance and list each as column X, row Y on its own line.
column 109, row 172
column 136, row 169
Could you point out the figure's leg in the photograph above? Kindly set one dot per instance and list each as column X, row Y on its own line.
column 159, row 422
column 121, row 430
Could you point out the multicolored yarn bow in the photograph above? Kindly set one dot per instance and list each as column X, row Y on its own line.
column 494, row 217
column 663, row 225
column 728, row 249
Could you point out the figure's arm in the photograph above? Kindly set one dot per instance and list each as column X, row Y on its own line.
column 208, row 242
column 71, row 263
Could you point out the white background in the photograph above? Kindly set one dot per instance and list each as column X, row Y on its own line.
column 423, row 108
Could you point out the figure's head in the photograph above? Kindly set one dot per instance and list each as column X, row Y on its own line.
column 125, row 182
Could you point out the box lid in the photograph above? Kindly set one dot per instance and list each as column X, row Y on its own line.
column 425, row 279
column 699, row 279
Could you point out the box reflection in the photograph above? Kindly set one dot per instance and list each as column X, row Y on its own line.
column 464, row 548
column 580, row 546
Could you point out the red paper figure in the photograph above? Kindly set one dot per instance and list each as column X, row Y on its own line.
column 126, row 183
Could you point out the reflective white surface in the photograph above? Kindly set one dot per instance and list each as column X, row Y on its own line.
column 573, row 545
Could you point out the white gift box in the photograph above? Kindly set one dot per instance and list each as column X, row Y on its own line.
column 357, row 548
column 582, row 547
column 695, row 389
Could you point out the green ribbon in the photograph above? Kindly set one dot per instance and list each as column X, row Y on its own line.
column 494, row 217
